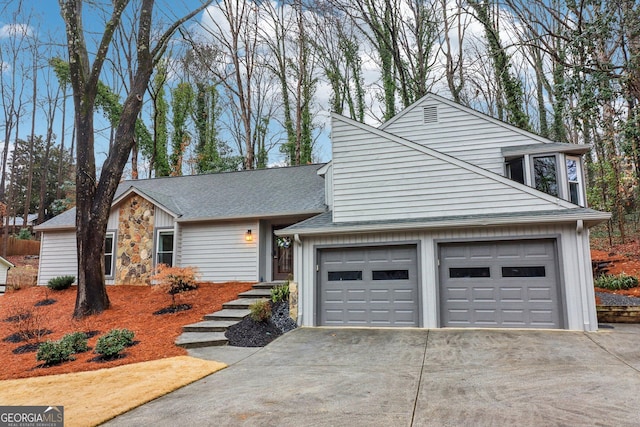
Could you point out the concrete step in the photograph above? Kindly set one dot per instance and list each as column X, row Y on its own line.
column 266, row 285
column 201, row 339
column 242, row 303
column 209, row 326
column 228, row 314
column 256, row 293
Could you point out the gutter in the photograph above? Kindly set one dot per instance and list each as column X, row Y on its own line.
column 587, row 220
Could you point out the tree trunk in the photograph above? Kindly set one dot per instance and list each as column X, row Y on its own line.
column 91, row 228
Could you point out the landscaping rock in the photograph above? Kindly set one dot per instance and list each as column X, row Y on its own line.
column 249, row 333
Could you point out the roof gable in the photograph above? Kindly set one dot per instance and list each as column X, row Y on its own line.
column 380, row 176
column 465, row 133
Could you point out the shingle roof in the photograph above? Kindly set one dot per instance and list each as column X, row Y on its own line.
column 259, row 193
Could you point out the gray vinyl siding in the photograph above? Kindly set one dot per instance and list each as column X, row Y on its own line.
column 375, row 178
column 3, row 274
column 162, row 219
column 58, row 256
column 469, row 137
column 114, row 215
column 219, row 250
column 576, row 282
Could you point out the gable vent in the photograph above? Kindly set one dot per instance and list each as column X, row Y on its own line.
column 430, row 114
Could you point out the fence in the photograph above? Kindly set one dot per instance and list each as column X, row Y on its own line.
column 21, row 247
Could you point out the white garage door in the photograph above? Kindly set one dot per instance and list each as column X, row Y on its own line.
column 368, row 286
column 500, row 284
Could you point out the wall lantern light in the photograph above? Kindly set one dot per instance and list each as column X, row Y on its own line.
column 248, row 236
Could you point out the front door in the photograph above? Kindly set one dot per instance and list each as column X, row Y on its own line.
column 282, row 257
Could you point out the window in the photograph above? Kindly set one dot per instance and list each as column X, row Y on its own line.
column 538, row 271
column 165, row 248
column 109, row 241
column 390, row 275
column 344, row 275
column 574, row 178
column 468, row 272
column 545, row 174
column 515, row 170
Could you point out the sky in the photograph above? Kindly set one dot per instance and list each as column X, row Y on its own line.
column 49, row 24
column 47, row 21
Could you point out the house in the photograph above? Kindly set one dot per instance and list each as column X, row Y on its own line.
column 441, row 217
column 5, row 266
column 17, row 223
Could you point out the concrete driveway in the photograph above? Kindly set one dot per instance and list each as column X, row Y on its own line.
column 411, row 377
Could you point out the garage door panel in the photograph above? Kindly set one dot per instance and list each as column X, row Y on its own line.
column 484, row 294
column 516, row 287
column 512, row 294
column 384, row 294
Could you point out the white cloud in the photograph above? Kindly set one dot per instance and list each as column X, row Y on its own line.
column 13, row 30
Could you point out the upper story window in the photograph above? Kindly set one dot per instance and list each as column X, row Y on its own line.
column 574, row 179
column 545, row 174
column 109, row 243
column 515, row 169
column 164, row 253
column 555, row 169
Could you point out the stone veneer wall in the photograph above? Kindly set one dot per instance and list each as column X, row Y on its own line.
column 134, row 254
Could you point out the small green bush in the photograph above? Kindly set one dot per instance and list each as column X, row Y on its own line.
column 615, row 283
column 260, row 310
column 25, row 234
column 54, row 352
column 61, row 282
column 77, row 341
column 280, row 293
column 113, row 342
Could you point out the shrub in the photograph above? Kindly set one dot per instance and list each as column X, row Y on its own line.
column 260, row 310
column 113, row 342
column 175, row 280
column 77, row 341
column 614, row 283
column 54, row 352
column 61, row 282
column 27, row 323
column 280, row 293
column 24, row 234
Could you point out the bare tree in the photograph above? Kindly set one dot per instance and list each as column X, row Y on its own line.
column 94, row 195
column 12, row 83
column 232, row 51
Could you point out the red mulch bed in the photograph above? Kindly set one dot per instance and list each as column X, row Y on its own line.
column 132, row 307
column 623, row 259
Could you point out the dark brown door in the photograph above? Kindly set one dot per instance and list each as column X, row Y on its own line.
column 282, row 257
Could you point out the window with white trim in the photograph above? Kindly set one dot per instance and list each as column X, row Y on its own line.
column 574, row 180
column 109, row 244
column 545, row 174
column 164, row 252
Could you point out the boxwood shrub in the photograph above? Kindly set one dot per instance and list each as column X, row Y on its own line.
column 113, row 342
column 61, row 282
column 54, row 352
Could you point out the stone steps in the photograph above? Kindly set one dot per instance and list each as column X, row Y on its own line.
column 241, row 303
column 201, row 339
column 209, row 326
column 210, row 331
column 256, row 293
